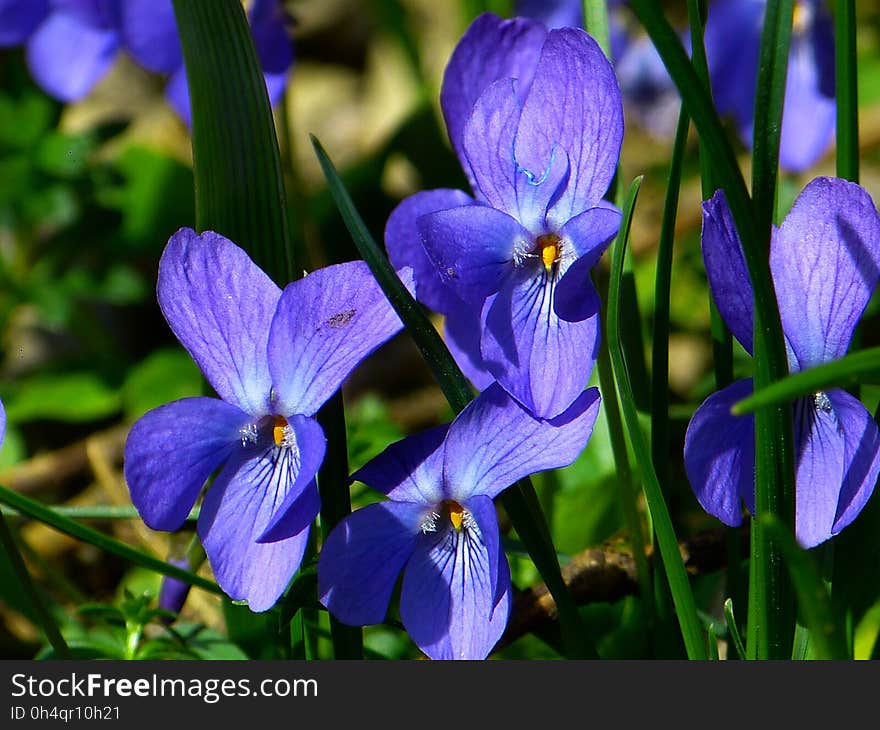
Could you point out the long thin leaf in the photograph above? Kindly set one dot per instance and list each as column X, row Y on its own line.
column 48, row 516
column 853, row 369
column 236, row 161
column 846, row 89
column 676, row 575
column 519, row 501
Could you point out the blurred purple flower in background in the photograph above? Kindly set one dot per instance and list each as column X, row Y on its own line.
column 71, row 44
column 733, row 37
column 650, row 97
column 825, row 262
column 274, row 358
column 536, row 121
column 439, row 525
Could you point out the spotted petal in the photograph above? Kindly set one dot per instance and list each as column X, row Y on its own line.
column 326, row 324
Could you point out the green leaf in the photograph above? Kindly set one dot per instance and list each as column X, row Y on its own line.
column 236, row 160
column 854, row 369
column 676, row 576
column 70, row 397
column 163, row 376
column 846, row 89
column 48, row 516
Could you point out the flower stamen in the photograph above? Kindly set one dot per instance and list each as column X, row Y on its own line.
column 550, row 247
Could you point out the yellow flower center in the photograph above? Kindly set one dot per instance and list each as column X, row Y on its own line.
column 280, row 430
column 456, row 513
column 549, row 246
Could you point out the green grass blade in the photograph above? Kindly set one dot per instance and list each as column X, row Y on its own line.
column 236, row 161
column 846, row 89
column 733, row 629
column 49, row 517
column 520, row 500
column 662, row 293
column 348, row 641
column 853, row 369
column 596, row 23
column 676, row 575
column 826, row 638
column 44, row 616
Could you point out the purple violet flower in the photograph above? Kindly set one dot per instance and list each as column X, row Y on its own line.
column 733, row 38
column 71, row 44
column 274, row 358
column 536, row 121
column 825, row 262
column 439, row 525
column 173, row 592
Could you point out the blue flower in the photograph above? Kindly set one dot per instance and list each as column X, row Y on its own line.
column 439, row 526
column 71, row 44
column 274, row 358
column 825, row 263
column 733, row 38
column 536, row 120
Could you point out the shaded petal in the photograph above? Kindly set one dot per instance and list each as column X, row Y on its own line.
column 236, row 512
column 404, row 244
column 2, row 422
column 173, row 592
column 220, row 304
column 303, row 465
column 494, row 441
column 19, row 19
column 325, row 325
column 447, row 598
column 573, row 107
column 719, row 455
column 362, row 557
column 482, row 509
column 541, row 360
column 149, row 32
column 67, row 57
column 861, row 457
column 504, row 181
column 274, row 46
column 825, row 261
column 462, row 330
column 171, row 451
column 726, row 268
column 491, row 49
column 820, row 447
column 589, row 235
column 177, row 95
column 473, row 248
column 810, row 111
column 409, row 470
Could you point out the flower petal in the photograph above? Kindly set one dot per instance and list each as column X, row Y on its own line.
column 462, row 330
column 149, row 32
column 171, row 451
column 409, row 470
column 861, row 457
column 177, row 95
column 726, row 268
column 505, row 182
column 825, row 261
column 220, row 304
column 362, row 557
column 491, row 49
column 311, row 445
column 273, row 44
column 494, row 441
column 541, row 360
column 237, row 510
column 447, row 599
column 719, row 455
column 573, row 107
column 325, row 325
column 404, row 243
column 67, row 57
column 553, row 13
column 810, row 110
column 19, row 19
column 472, row 248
